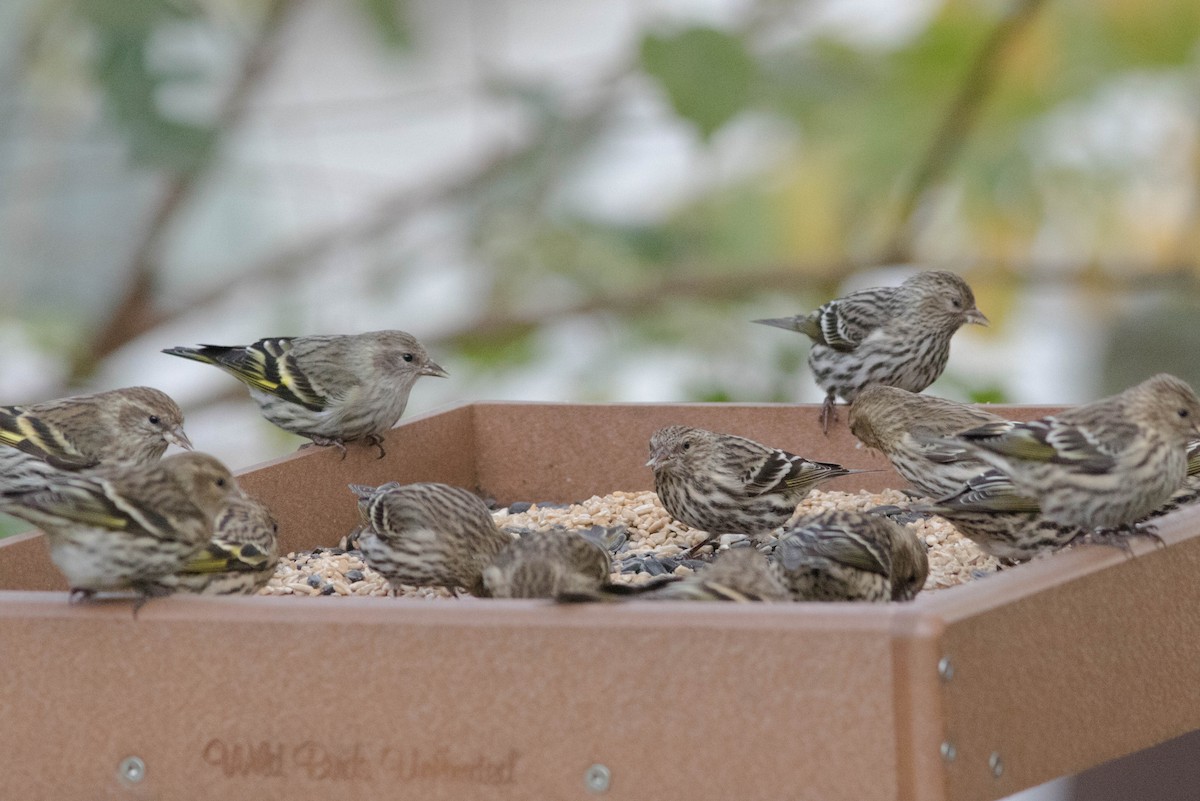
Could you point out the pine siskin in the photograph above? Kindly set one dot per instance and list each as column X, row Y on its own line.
column 990, row 511
column 898, row 336
column 546, row 564
column 428, row 535
column 129, row 426
column 124, row 527
column 1102, row 465
column 724, row 484
column 738, row 574
column 911, row 430
column 239, row 559
column 851, row 556
column 331, row 389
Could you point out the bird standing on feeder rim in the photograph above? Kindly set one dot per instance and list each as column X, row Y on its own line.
column 897, row 336
column 332, row 389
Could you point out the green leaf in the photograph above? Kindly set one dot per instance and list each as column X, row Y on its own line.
column 708, row 74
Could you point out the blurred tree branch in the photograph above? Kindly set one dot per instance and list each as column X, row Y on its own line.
column 957, row 125
column 134, row 313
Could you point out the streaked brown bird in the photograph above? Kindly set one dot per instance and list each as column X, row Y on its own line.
column 898, row 336
column 1103, row 465
column 428, row 535
column 851, row 556
column 911, row 429
column 332, row 389
column 989, row 511
column 741, row 575
column 547, row 563
column 129, row 426
column 725, row 484
column 239, row 559
column 125, row 527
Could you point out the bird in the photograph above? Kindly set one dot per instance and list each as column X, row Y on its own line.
column 120, row 528
column 332, row 389
column 898, row 336
column 1101, row 466
column 990, row 511
column 741, row 575
column 911, row 429
column 726, row 484
column 546, row 563
column 839, row 555
column 128, row 426
column 428, row 534
column 239, row 559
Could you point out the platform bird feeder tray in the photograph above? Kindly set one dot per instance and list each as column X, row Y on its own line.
column 972, row 692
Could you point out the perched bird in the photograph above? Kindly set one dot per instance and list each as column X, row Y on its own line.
column 239, row 559
column 1103, row 465
column 738, row 574
column 898, row 336
column 911, row 430
column 990, row 511
column 125, row 527
column 547, row 563
column 129, row 426
column 851, row 556
column 331, row 389
column 428, row 535
column 724, row 484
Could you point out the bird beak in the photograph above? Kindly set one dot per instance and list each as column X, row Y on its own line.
column 175, row 436
column 976, row 316
column 434, row 369
column 657, row 461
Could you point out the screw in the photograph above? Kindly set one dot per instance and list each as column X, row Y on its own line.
column 597, row 778
column 945, row 668
column 996, row 764
column 948, row 751
column 132, row 769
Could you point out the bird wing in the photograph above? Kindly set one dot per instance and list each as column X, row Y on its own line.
column 1054, row 441
column 91, row 502
column 32, row 435
column 991, row 491
column 1193, row 457
column 780, row 471
column 836, row 543
column 220, row 556
column 844, row 323
column 272, row 366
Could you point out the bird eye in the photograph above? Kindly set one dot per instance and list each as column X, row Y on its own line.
column 408, row 357
column 220, row 482
column 1184, row 413
column 154, row 420
column 686, row 446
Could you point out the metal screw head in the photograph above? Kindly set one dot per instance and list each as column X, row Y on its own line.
column 597, row 778
column 132, row 769
column 948, row 751
column 996, row 764
column 945, row 668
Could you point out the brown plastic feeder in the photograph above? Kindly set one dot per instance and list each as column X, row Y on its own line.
column 973, row 692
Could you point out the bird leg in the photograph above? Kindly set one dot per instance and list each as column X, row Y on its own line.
column 828, row 414
column 145, row 593
column 693, row 552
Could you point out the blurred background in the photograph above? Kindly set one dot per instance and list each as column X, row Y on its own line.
column 588, row 200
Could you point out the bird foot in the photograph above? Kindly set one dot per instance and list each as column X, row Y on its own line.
column 1119, row 536
column 376, row 440
column 78, row 595
column 325, row 442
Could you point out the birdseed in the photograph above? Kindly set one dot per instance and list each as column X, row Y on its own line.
column 655, row 543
